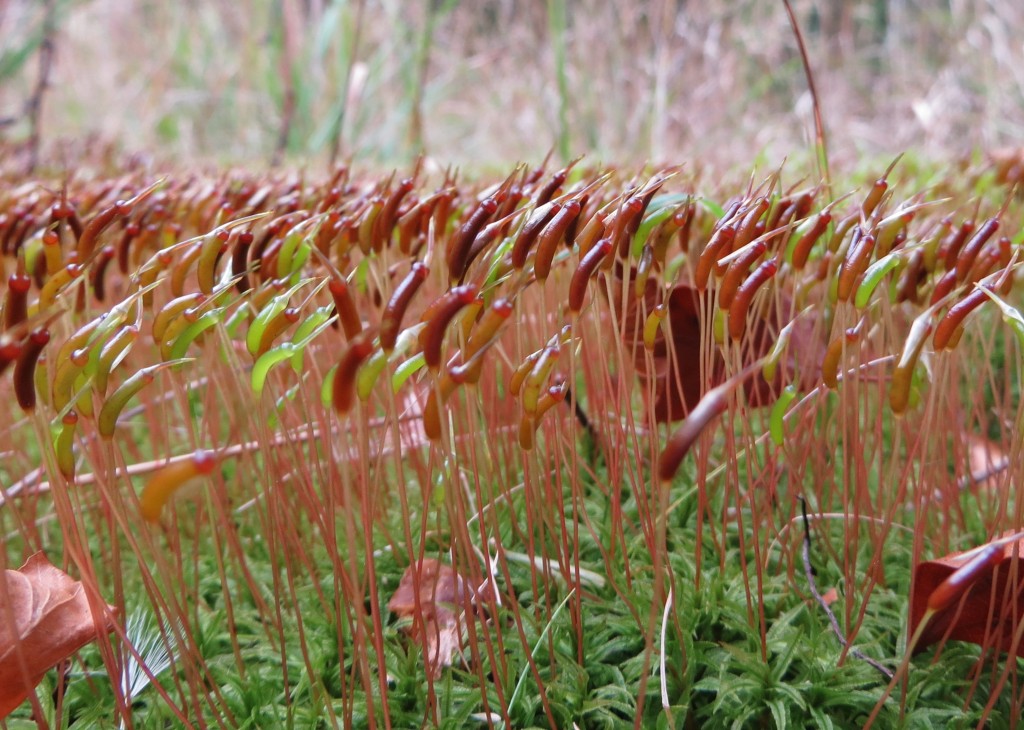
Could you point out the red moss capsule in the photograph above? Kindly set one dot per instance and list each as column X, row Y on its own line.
column 24, row 369
column 803, row 246
column 124, row 246
column 857, row 260
column 459, row 246
column 585, row 271
column 385, row 222
column 344, row 307
column 630, row 211
column 442, row 313
column 9, row 353
column 720, row 240
column 528, row 235
column 943, row 287
column 737, row 271
column 747, row 229
column 16, row 301
column 99, row 270
column 343, row 392
column 955, row 316
column 97, row 224
column 745, row 295
column 551, row 236
column 913, row 274
column 240, row 261
column 965, row 260
column 551, row 187
column 394, row 311
column 950, row 247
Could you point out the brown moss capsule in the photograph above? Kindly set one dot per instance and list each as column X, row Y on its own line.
column 720, row 239
column 459, row 246
column 804, row 245
column 180, row 272
column 24, row 369
column 441, row 314
column 746, row 231
column 551, row 236
column 943, row 287
column 551, row 187
column 737, row 271
column 344, row 307
column 469, row 365
column 913, row 274
column 394, row 311
column 124, row 246
column 212, row 248
column 385, row 222
column 436, row 399
column 99, row 270
column 367, row 223
column 588, row 265
column 591, row 232
column 240, row 261
column 343, row 392
column 956, row 315
column 528, row 235
column 965, row 260
column 16, row 301
column 745, row 295
column 949, row 249
column 628, row 212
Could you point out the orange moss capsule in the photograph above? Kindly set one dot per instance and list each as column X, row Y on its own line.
column 394, row 311
column 965, row 260
column 737, row 271
column 368, row 222
column 344, row 386
column 124, row 246
column 180, row 271
column 462, row 240
column 745, row 295
column 746, row 230
column 24, row 369
column 344, row 307
column 52, row 252
column 857, row 259
column 515, row 383
column 840, row 231
column 902, row 376
column 834, row 354
column 436, row 399
column 211, row 249
column 111, row 352
column 874, row 197
column 528, row 235
column 551, row 236
column 961, row 579
column 275, row 327
column 629, row 212
column 720, row 240
column 592, row 231
column 170, row 311
column 169, row 479
column 588, row 265
column 441, row 314
column 956, row 315
column 486, row 329
column 53, row 286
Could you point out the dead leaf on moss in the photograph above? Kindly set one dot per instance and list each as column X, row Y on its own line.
column 441, row 600
column 990, row 610
column 986, row 461
column 44, row 619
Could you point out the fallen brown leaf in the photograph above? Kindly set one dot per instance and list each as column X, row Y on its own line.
column 987, row 614
column 442, row 599
column 44, row 619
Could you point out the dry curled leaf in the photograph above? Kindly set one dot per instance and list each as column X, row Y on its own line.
column 441, row 602
column 987, row 613
column 44, row 619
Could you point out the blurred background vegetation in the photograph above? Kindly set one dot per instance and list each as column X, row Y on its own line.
column 492, row 81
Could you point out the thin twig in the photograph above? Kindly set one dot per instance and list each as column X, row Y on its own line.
column 34, row 105
column 836, row 628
